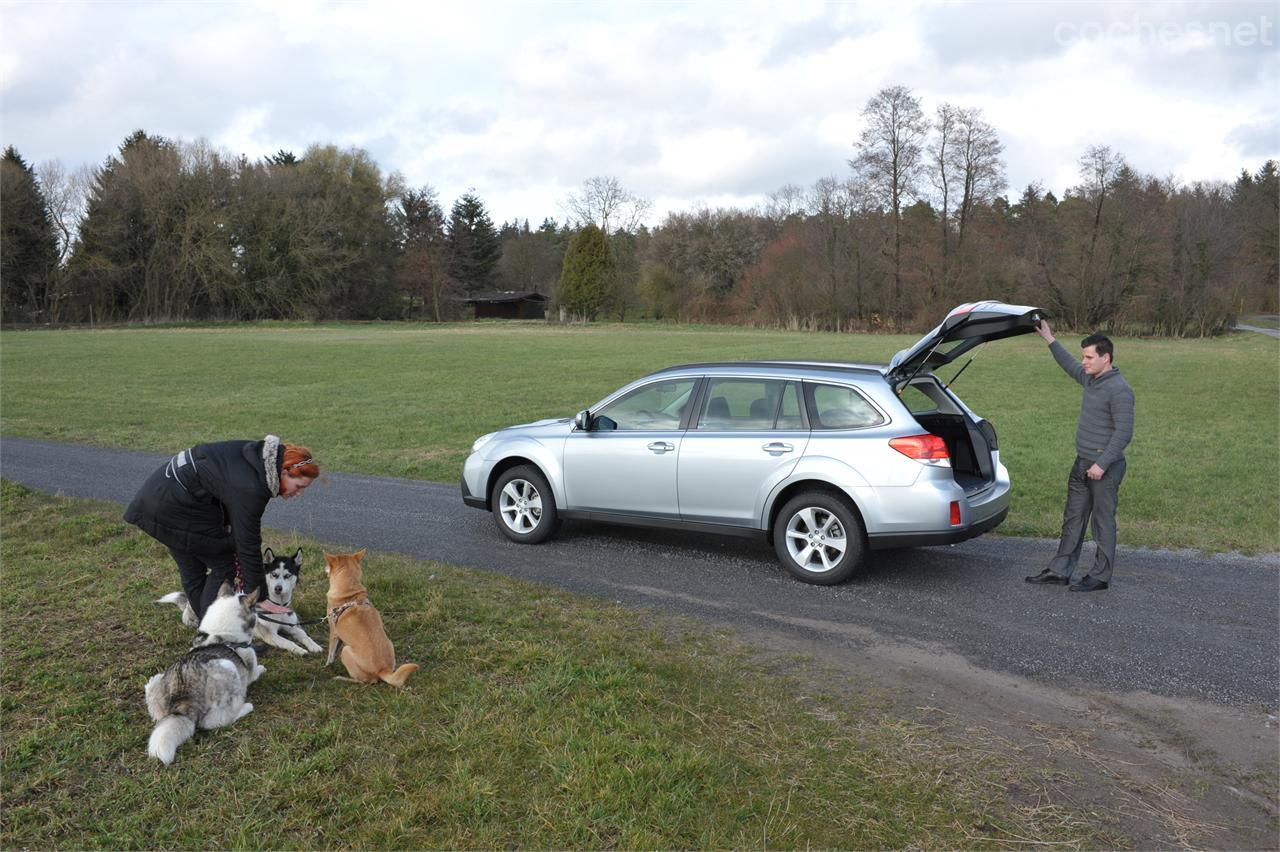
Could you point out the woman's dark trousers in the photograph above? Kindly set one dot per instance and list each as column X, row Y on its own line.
column 202, row 576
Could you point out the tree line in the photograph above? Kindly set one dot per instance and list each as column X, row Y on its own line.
column 169, row 230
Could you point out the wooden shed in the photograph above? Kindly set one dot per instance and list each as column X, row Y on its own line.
column 508, row 304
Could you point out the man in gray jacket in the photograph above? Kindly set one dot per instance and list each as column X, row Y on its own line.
column 1103, row 431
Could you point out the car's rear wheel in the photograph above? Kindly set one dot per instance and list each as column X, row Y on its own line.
column 819, row 539
column 523, row 506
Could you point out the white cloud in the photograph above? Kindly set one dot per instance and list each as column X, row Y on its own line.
column 685, row 103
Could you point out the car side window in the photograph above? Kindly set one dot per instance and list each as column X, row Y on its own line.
column 655, row 407
column 744, row 405
column 838, row 407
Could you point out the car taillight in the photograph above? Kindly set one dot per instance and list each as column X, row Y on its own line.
column 922, row 447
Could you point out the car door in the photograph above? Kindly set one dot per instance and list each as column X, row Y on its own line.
column 626, row 462
column 748, row 436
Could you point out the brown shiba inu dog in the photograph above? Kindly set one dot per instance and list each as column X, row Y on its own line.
column 356, row 626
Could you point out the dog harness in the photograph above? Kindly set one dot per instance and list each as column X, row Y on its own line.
column 337, row 611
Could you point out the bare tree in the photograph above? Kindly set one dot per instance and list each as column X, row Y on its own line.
column 787, row 201
column 942, row 175
column 890, row 154
column 67, row 191
column 1099, row 169
column 976, row 151
column 606, row 204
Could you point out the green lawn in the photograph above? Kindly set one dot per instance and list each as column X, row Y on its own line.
column 537, row 720
column 407, row 400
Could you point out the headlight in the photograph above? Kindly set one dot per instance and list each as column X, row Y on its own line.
column 481, row 441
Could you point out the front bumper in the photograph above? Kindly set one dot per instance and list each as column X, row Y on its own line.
column 471, row 500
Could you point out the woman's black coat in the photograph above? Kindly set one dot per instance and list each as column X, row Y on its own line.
column 188, row 503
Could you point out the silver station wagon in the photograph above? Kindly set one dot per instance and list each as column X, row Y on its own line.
column 826, row 460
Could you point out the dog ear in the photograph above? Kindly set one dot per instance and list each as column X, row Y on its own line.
column 225, row 590
column 250, row 599
column 268, row 556
column 359, row 554
column 297, row 558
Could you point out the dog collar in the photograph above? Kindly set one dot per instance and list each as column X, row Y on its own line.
column 204, row 640
column 273, row 607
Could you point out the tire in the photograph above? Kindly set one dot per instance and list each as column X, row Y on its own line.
column 523, row 506
column 819, row 539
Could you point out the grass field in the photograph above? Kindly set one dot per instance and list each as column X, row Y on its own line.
column 537, row 720
column 407, row 400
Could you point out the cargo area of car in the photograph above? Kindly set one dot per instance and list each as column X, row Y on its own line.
column 968, row 445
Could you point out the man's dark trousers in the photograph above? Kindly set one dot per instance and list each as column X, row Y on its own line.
column 1087, row 499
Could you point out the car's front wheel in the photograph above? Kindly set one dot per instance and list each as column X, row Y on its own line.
column 819, row 539
column 523, row 506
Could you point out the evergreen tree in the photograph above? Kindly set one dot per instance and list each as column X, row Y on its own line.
column 118, row 235
column 28, row 247
column 474, row 244
column 587, row 275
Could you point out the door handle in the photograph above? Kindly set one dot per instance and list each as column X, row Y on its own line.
column 660, row 447
column 777, row 448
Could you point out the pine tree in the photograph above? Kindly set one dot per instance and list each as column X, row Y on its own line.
column 28, row 247
column 474, row 244
column 587, row 273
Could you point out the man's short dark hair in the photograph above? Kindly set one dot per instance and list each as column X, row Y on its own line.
column 1102, row 343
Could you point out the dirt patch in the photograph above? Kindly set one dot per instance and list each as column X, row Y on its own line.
column 1159, row 772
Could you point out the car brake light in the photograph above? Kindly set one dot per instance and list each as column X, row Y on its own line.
column 955, row 513
column 922, row 447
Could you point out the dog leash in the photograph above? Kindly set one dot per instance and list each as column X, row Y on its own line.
column 291, row 623
column 325, row 618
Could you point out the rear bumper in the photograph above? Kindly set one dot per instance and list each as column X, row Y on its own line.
column 927, row 539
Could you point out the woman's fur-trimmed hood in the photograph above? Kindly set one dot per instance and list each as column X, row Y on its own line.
column 271, row 463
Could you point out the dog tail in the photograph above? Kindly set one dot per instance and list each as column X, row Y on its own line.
column 169, row 733
column 179, row 599
column 400, row 675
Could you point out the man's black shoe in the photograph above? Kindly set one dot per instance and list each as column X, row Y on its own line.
column 1087, row 584
column 1047, row 576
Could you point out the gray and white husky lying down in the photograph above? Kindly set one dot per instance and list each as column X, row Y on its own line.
column 207, row 687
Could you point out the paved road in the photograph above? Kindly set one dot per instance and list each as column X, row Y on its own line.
column 1269, row 330
column 1175, row 623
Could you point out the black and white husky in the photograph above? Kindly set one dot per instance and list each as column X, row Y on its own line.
column 276, row 614
column 207, row 687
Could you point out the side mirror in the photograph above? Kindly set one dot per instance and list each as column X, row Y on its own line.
column 582, row 421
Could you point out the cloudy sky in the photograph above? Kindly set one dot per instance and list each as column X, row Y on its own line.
column 716, row 103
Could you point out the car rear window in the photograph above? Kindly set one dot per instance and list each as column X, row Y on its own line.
column 838, row 407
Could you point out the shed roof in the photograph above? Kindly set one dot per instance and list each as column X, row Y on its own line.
column 503, row 296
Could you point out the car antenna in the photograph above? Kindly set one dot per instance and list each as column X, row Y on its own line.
column 965, row 367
